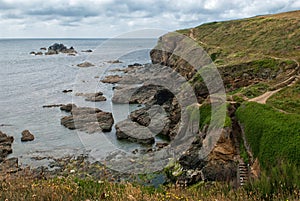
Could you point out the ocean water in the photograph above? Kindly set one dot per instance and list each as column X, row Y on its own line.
column 28, row 82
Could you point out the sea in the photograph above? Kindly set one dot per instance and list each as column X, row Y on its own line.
column 29, row 82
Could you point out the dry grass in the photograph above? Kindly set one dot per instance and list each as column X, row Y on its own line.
column 71, row 188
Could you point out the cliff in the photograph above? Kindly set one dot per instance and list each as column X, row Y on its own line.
column 258, row 60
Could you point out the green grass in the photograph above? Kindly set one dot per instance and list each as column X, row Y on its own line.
column 254, row 90
column 288, row 99
column 276, row 35
column 74, row 189
column 206, row 115
column 272, row 135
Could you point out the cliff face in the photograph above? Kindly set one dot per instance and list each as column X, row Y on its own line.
column 254, row 56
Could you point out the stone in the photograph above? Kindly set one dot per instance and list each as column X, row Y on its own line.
column 85, row 64
column 93, row 97
column 87, row 119
column 112, row 79
column 59, row 48
column 68, row 107
column 134, row 132
column 27, row 136
column 67, row 91
column 9, row 165
column 87, row 51
column 114, row 61
column 5, row 145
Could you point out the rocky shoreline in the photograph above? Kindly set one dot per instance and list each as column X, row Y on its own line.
column 158, row 89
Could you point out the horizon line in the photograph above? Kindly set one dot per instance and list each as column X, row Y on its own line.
column 100, row 38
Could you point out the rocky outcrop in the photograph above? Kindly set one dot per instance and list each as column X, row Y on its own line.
column 175, row 50
column 27, row 136
column 134, row 94
column 60, row 48
column 5, row 145
column 87, row 119
column 219, row 165
column 85, row 64
column 93, row 97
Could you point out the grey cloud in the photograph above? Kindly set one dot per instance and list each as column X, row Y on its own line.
column 122, row 15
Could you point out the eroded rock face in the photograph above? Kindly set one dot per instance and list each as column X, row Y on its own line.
column 5, row 145
column 87, row 119
column 219, row 165
column 27, row 136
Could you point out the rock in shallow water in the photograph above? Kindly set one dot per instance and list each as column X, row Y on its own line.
column 85, row 64
column 87, row 119
column 134, row 132
column 27, row 136
column 93, row 97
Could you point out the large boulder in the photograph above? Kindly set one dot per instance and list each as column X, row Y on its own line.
column 87, row 119
column 134, row 132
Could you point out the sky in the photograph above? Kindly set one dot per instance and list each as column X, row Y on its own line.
column 112, row 18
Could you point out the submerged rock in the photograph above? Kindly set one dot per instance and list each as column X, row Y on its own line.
column 85, row 64
column 114, row 61
column 112, row 79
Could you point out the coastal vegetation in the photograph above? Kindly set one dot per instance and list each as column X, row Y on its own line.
column 254, row 56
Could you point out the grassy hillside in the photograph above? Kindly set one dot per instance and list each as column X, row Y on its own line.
column 243, row 40
column 273, row 135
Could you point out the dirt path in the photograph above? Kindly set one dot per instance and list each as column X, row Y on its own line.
column 262, row 99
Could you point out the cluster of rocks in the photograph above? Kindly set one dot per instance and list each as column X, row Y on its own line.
column 220, row 163
column 9, row 165
column 87, row 119
column 161, row 112
column 5, row 145
column 56, row 48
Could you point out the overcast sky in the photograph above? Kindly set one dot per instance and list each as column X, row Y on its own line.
column 110, row 18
